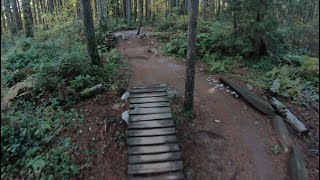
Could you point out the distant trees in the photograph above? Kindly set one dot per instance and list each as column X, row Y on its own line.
column 191, row 54
column 253, row 19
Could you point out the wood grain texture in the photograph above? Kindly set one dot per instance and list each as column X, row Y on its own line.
column 150, row 117
column 155, row 167
column 151, row 124
column 151, row 132
column 151, row 149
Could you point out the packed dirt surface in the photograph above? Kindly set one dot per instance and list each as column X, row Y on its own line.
column 228, row 138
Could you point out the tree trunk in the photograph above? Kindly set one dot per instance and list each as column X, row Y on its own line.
column 9, row 21
column 80, row 9
column 135, row 10
column 129, row 6
column 94, row 8
column 16, row 15
column 234, row 19
column 204, row 9
column 89, row 32
column 50, row 6
column 124, row 9
column 191, row 55
column 3, row 22
column 34, row 14
column 219, row 8
column 171, row 3
column 39, row 12
column 27, row 15
column 211, row 8
column 140, row 15
column 147, row 9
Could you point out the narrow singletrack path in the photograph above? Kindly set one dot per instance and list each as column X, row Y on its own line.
column 229, row 139
column 153, row 152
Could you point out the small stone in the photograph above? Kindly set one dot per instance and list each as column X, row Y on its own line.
column 227, row 90
column 211, row 91
column 220, row 85
column 172, row 94
column 250, row 87
column 190, row 174
column 93, row 139
column 80, row 131
column 125, row 116
column 217, row 121
column 125, row 96
column 116, row 106
column 89, row 129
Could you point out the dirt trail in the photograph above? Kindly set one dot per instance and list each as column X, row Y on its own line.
column 239, row 147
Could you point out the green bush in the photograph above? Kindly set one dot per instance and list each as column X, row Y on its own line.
column 30, row 146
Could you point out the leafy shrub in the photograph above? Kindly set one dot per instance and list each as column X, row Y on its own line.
column 290, row 84
column 178, row 45
column 310, row 69
column 29, row 146
column 81, row 82
column 219, row 64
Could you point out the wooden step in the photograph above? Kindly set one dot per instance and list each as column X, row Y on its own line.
column 155, row 167
column 151, row 132
column 151, row 149
column 148, row 100
column 147, row 158
column 168, row 176
column 133, row 141
column 155, row 110
column 149, row 86
column 149, row 105
column 146, row 90
column 151, row 124
column 151, row 94
column 150, row 117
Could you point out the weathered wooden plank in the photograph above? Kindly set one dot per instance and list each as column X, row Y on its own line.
column 168, row 176
column 132, row 141
column 151, row 124
column 150, row 117
column 151, row 132
column 151, row 94
column 146, row 105
column 155, row 110
column 149, row 100
column 155, row 167
column 149, row 86
column 153, row 149
column 145, row 90
column 147, row 158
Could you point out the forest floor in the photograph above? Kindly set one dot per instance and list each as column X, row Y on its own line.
column 228, row 139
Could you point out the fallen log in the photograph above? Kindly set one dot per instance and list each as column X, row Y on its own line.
column 289, row 117
column 297, row 165
column 283, row 133
column 253, row 99
column 91, row 91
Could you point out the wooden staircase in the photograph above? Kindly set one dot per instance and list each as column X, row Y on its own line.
column 152, row 143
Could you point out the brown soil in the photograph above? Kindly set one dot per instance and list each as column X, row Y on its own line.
column 237, row 147
column 101, row 152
